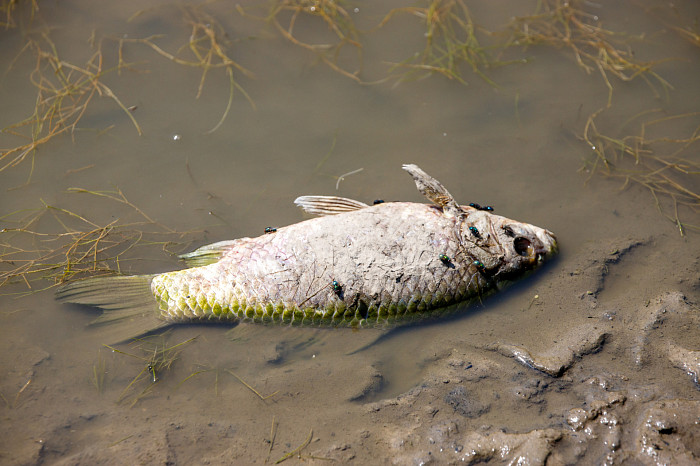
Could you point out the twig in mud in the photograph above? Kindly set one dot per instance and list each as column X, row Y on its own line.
column 216, row 372
column 297, row 449
column 118, row 196
column 251, row 388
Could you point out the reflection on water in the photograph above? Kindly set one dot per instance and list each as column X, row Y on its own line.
column 239, row 117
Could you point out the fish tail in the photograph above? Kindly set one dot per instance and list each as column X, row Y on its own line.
column 128, row 306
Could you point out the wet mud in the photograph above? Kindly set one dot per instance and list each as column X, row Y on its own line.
column 616, row 384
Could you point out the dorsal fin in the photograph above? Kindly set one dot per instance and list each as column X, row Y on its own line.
column 328, row 205
column 433, row 190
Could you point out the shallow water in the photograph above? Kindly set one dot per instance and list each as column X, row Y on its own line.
column 516, row 147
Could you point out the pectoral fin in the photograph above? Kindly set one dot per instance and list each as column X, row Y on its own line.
column 328, row 205
column 207, row 254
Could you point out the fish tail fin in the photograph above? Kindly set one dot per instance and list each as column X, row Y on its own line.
column 128, row 306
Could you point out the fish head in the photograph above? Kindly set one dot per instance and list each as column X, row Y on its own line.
column 505, row 247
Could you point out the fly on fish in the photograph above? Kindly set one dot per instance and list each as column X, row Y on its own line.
column 354, row 265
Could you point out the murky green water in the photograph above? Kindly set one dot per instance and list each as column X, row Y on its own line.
column 517, row 147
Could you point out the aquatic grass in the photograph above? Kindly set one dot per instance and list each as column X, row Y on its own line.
column 565, row 24
column 669, row 167
column 52, row 244
column 273, row 436
column 117, row 442
column 250, row 387
column 64, row 92
column 157, row 357
column 204, row 371
column 689, row 34
column 284, row 15
column 297, row 450
column 99, row 371
column 16, row 403
column 7, row 12
column 451, row 41
column 230, row 372
column 208, row 49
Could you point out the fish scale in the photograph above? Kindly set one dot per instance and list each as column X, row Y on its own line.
column 355, row 265
column 267, row 285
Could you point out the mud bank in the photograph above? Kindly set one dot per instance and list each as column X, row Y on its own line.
column 616, row 383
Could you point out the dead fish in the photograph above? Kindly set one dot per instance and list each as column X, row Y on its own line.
column 356, row 265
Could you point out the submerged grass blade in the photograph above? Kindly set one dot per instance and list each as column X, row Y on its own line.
column 567, row 25
column 298, row 449
column 665, row 166
column 451, row 42
column 158, row 357
column 249, row 387
column 326, row 15
column 64, row 93
column 208, row 48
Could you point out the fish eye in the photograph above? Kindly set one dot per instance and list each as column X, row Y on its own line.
column 522, row 246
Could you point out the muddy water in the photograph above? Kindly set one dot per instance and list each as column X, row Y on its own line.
column 594, row 358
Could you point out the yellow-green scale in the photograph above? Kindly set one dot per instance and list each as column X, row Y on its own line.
column 180, row 299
